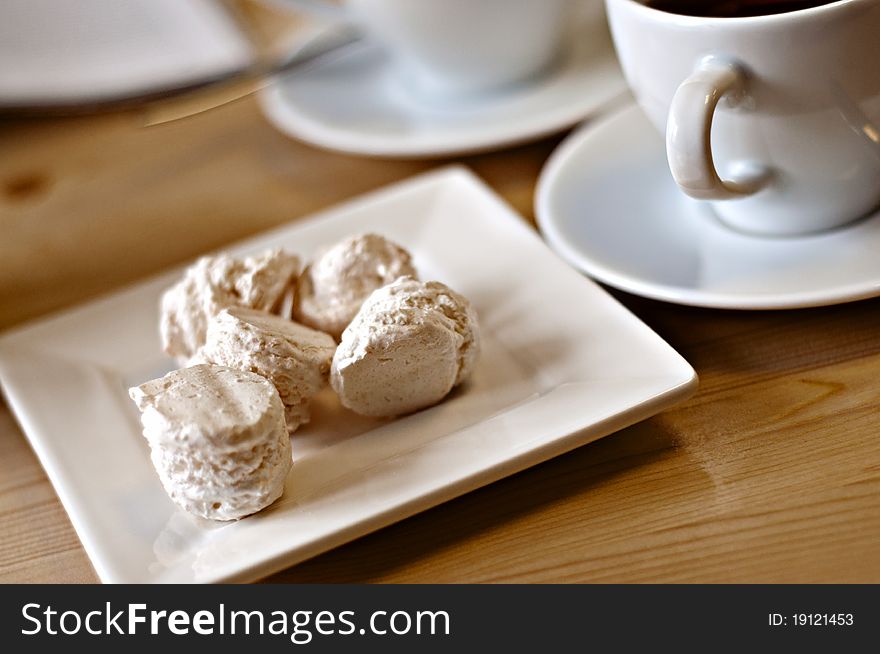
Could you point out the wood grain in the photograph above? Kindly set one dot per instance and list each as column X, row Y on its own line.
column 770, row 473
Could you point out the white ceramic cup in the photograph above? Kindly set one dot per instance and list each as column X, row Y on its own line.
column 775, row 118
column 454, row 49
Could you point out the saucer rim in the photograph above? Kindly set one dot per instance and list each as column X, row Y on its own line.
column 547, row 225
column 329, row 139
column 284, row 117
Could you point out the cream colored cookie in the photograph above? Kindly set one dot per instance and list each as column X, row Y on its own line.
column 217, row 439
column 295, row 358
column 214, row 283
column 333, row 286
column 408, row 346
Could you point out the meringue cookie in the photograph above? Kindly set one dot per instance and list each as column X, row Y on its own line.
column 214, row 283
column 295, row 358
column 408, row 346
column 217, row 439
column 333, row 286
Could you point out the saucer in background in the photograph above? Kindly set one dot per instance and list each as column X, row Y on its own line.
column 607, row 203
column 66, row 54
column 355, row 103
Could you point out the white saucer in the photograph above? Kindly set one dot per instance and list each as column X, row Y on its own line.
column 354, row 103
column 607, row 203
column 57, row 55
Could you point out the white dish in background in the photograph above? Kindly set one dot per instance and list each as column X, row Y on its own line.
column 69, row 53
column 563, row 364
column 607, row 203
column 354, row 102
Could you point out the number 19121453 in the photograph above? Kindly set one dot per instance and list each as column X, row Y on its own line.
column 811, row 620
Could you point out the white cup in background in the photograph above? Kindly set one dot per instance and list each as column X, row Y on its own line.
column 454, row 49
column 775, row 118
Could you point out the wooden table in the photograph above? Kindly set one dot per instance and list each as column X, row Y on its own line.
column 770, row 473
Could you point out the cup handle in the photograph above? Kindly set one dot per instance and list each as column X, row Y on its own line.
column 689, row 129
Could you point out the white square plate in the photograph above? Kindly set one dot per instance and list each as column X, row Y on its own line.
column 563, row 364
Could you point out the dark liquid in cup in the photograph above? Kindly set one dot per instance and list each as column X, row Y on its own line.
column 732, row 8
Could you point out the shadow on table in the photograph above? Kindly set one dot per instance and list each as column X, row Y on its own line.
column 765, row 343
column 467, row 521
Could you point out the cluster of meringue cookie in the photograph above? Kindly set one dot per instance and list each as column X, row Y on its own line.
column 258, row 340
